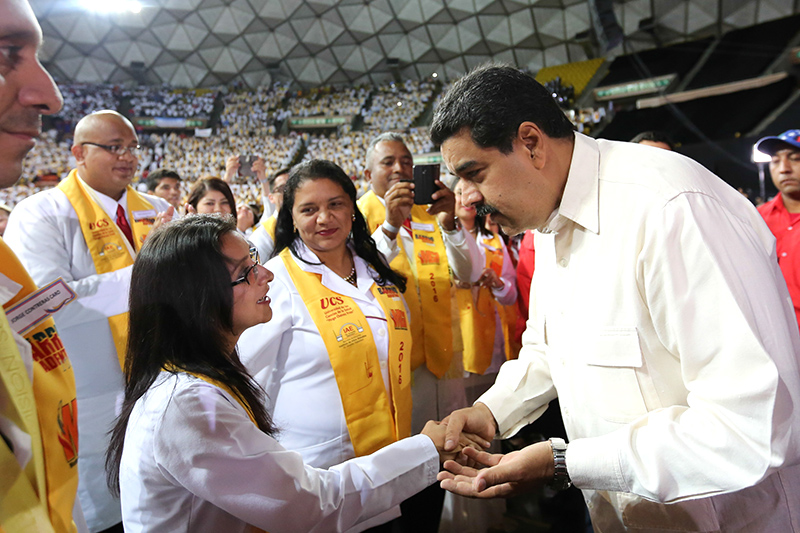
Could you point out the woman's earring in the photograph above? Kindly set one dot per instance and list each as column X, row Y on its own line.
column 354, row 217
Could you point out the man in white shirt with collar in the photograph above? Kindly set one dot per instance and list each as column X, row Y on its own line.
column 658, row 317
column 88, row 230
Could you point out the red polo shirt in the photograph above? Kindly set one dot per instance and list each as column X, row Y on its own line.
column 786, row 228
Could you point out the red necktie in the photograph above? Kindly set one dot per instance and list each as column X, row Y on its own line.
column 122, row 222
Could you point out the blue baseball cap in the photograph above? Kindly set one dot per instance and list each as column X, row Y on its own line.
column 788, row 139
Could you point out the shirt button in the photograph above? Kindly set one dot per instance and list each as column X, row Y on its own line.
column 384, row 364
column 381, row 332
column 784, row 254
column 563, row 262
column 790, row 227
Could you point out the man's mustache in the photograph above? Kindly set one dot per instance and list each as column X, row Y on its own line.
column 485, row 210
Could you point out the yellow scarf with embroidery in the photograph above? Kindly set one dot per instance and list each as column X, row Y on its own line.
column 40, row 497
column 269, row 224
column 429, row 298
column 373, row 419
column 477, row 309
column 106, row 243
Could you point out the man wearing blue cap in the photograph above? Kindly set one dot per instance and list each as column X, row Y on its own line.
column 782, row 213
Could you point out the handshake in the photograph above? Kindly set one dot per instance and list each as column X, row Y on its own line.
column 461, row 439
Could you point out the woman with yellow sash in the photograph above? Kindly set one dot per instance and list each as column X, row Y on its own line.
column 335, row 360
column 193, row 448
column 488, row 307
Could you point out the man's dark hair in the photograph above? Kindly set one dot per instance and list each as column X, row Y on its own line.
column 656, row 137
column 272, row 177
column 155, row 177
column 491, row 102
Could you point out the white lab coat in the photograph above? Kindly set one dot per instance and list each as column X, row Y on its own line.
column 193, row 461
column 44, row 232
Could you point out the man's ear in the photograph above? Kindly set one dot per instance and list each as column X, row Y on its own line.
column 77, row 151
column 531, row 137
column 368, row 175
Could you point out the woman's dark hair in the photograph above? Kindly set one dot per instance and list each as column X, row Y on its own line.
column 180, row 318
column 286, row 235
column 211, row 183
column 491, row 102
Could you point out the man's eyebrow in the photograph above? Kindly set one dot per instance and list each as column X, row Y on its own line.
column 18, row 35
column 465, row 166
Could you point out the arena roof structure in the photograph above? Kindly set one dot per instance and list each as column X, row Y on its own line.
column 197, row 43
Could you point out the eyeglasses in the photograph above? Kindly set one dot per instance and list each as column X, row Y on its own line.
column 117, row 149
column 253, row 268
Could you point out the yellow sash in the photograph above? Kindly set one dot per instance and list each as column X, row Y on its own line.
column 106, row 243
column 45, row 410
column 269, row 224
column 428, row 298
column 477, row 317
column 372, row 421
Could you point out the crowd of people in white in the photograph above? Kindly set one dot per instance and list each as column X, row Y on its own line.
column 249, row 124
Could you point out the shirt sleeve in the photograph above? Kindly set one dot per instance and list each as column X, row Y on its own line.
column 718, row 307
column 524, row 387
column 35, row 235
column 208, row 445
column 388, row 247
column 463, row 255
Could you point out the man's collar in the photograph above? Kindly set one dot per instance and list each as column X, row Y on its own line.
column 580, row 200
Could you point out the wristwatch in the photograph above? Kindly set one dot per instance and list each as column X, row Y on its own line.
column 561, row 480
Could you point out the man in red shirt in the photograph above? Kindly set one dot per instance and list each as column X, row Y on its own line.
column 782, row 213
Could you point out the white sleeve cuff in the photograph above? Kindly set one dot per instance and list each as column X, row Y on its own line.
column 593, row 463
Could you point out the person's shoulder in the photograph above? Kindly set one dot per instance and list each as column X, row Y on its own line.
column 42, row 200
column 159, row 203
column 662, row 173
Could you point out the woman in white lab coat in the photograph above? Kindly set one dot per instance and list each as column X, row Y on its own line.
column 193, row 449
column 334, row 360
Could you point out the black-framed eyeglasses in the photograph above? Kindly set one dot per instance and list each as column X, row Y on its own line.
column 245, row 278
column 117, row 149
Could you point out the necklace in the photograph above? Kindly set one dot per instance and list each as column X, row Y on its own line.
column 351, row 278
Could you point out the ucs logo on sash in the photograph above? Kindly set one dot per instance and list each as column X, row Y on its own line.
column 68, row 430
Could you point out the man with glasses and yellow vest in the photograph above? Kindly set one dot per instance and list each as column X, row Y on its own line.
column 38, row 436
column 432, row 250
column 87, row 231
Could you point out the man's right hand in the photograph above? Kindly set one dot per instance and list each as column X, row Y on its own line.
column 399, row 201
column 477, row 419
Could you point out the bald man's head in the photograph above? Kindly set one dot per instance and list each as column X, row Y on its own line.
column 106, row 149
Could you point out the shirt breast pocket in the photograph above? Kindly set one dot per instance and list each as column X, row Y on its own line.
column 612, row 361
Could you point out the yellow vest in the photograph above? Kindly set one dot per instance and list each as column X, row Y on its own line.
column 428, row 297
column 40, row 497
column 373, row 419
column 106, row 243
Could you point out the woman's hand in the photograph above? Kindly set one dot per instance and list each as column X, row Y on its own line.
column 490, row 279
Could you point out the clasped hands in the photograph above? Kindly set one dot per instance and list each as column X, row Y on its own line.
column 475, row 473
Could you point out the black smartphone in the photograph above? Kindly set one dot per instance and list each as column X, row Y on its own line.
column 246, row 165
column 424, row 186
